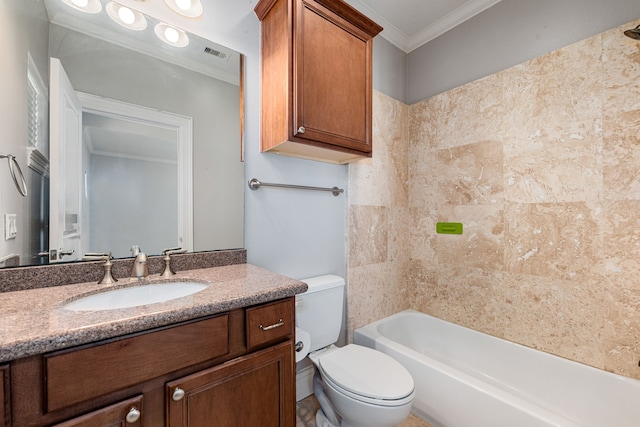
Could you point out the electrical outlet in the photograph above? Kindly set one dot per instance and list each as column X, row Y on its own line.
column 10, row 226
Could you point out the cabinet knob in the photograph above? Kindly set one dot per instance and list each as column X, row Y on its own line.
column 301, row 129
column 178, row 394
column 133, row 415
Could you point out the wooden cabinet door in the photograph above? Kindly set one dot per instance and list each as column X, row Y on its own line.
column 253, row 390
column 4, row 396
column 332, row 87
column 127, row 413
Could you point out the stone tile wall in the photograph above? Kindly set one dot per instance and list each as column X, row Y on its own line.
column 541, row 163
column 378, row 253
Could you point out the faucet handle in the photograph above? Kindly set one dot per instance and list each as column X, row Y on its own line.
column 171, row 251
column 168, row 271
column 96, row 256
column 107, row 277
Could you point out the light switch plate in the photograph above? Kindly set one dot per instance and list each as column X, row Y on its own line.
column 10, row 226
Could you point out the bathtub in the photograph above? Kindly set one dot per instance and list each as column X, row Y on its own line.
column 467, row 378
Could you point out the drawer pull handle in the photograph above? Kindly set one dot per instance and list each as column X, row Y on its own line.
column 133, row 415
column 178, row 394
column 301, row 129
column 275, row 325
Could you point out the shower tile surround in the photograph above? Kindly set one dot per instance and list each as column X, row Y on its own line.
column 539, row 162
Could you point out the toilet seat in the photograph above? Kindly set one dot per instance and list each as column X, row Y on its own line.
column 367, row 400
column 367, row 375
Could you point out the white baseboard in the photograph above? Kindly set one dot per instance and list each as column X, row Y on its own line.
column 304, row 383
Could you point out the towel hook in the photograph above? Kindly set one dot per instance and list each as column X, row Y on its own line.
column 16, row 173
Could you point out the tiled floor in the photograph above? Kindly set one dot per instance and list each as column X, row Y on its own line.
column 306, row 415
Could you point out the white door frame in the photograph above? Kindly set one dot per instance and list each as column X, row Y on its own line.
column 65, row 133
column 182, row 125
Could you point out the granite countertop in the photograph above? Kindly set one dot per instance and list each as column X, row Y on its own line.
column 33, row 321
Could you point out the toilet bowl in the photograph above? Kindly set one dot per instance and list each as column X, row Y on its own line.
column 356, row 386
column 363, row 386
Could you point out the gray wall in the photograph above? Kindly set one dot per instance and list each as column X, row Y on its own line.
column 390, row 67
column 20, row 33
column 511, row 32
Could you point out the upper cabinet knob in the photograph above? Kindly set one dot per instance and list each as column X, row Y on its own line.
column 301, row 129
column 133, row 415
column 178, row 394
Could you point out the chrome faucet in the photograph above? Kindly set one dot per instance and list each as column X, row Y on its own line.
column 140, row 268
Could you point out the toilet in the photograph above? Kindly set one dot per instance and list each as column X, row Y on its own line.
column 356, row 386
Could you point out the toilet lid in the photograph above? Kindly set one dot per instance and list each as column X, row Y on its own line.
column 367, row 372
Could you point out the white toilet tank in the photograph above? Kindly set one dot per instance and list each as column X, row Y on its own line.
column 319, row 309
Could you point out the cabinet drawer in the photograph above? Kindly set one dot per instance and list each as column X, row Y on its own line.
column 76, row 375
column 269, row 322
column 113, row 415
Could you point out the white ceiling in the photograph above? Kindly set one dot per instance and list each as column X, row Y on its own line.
column 409, row 24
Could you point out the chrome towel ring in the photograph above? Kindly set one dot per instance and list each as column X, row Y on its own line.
column 16, row 173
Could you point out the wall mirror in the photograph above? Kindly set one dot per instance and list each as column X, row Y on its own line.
column 122, row 138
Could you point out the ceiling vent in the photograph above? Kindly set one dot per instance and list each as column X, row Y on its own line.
column 217, row 53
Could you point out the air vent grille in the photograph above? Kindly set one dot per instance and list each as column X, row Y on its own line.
column 214, row 52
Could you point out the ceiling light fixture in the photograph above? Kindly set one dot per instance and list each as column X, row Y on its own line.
column 128, row 18
column 89, row 6
column 126, row 15
column 171, row 35
column 188, row 8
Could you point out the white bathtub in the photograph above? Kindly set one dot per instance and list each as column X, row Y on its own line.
column 467, row 378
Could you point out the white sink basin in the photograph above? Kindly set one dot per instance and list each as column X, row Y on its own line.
column 135, row 296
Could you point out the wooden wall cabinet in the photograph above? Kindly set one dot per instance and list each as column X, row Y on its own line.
column 215, row 371
column 316, row 79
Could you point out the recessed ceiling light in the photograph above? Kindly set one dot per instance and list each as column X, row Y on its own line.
column 188, row 8
column 89, row 6
column 171, row 35
column 128, row 18
column 126, row 15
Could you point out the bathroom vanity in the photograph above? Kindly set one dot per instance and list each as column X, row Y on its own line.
column 223, row 356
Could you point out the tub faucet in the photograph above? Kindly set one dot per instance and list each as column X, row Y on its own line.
column 140, row 268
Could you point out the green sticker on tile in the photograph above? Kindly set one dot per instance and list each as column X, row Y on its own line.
column 449, row 227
